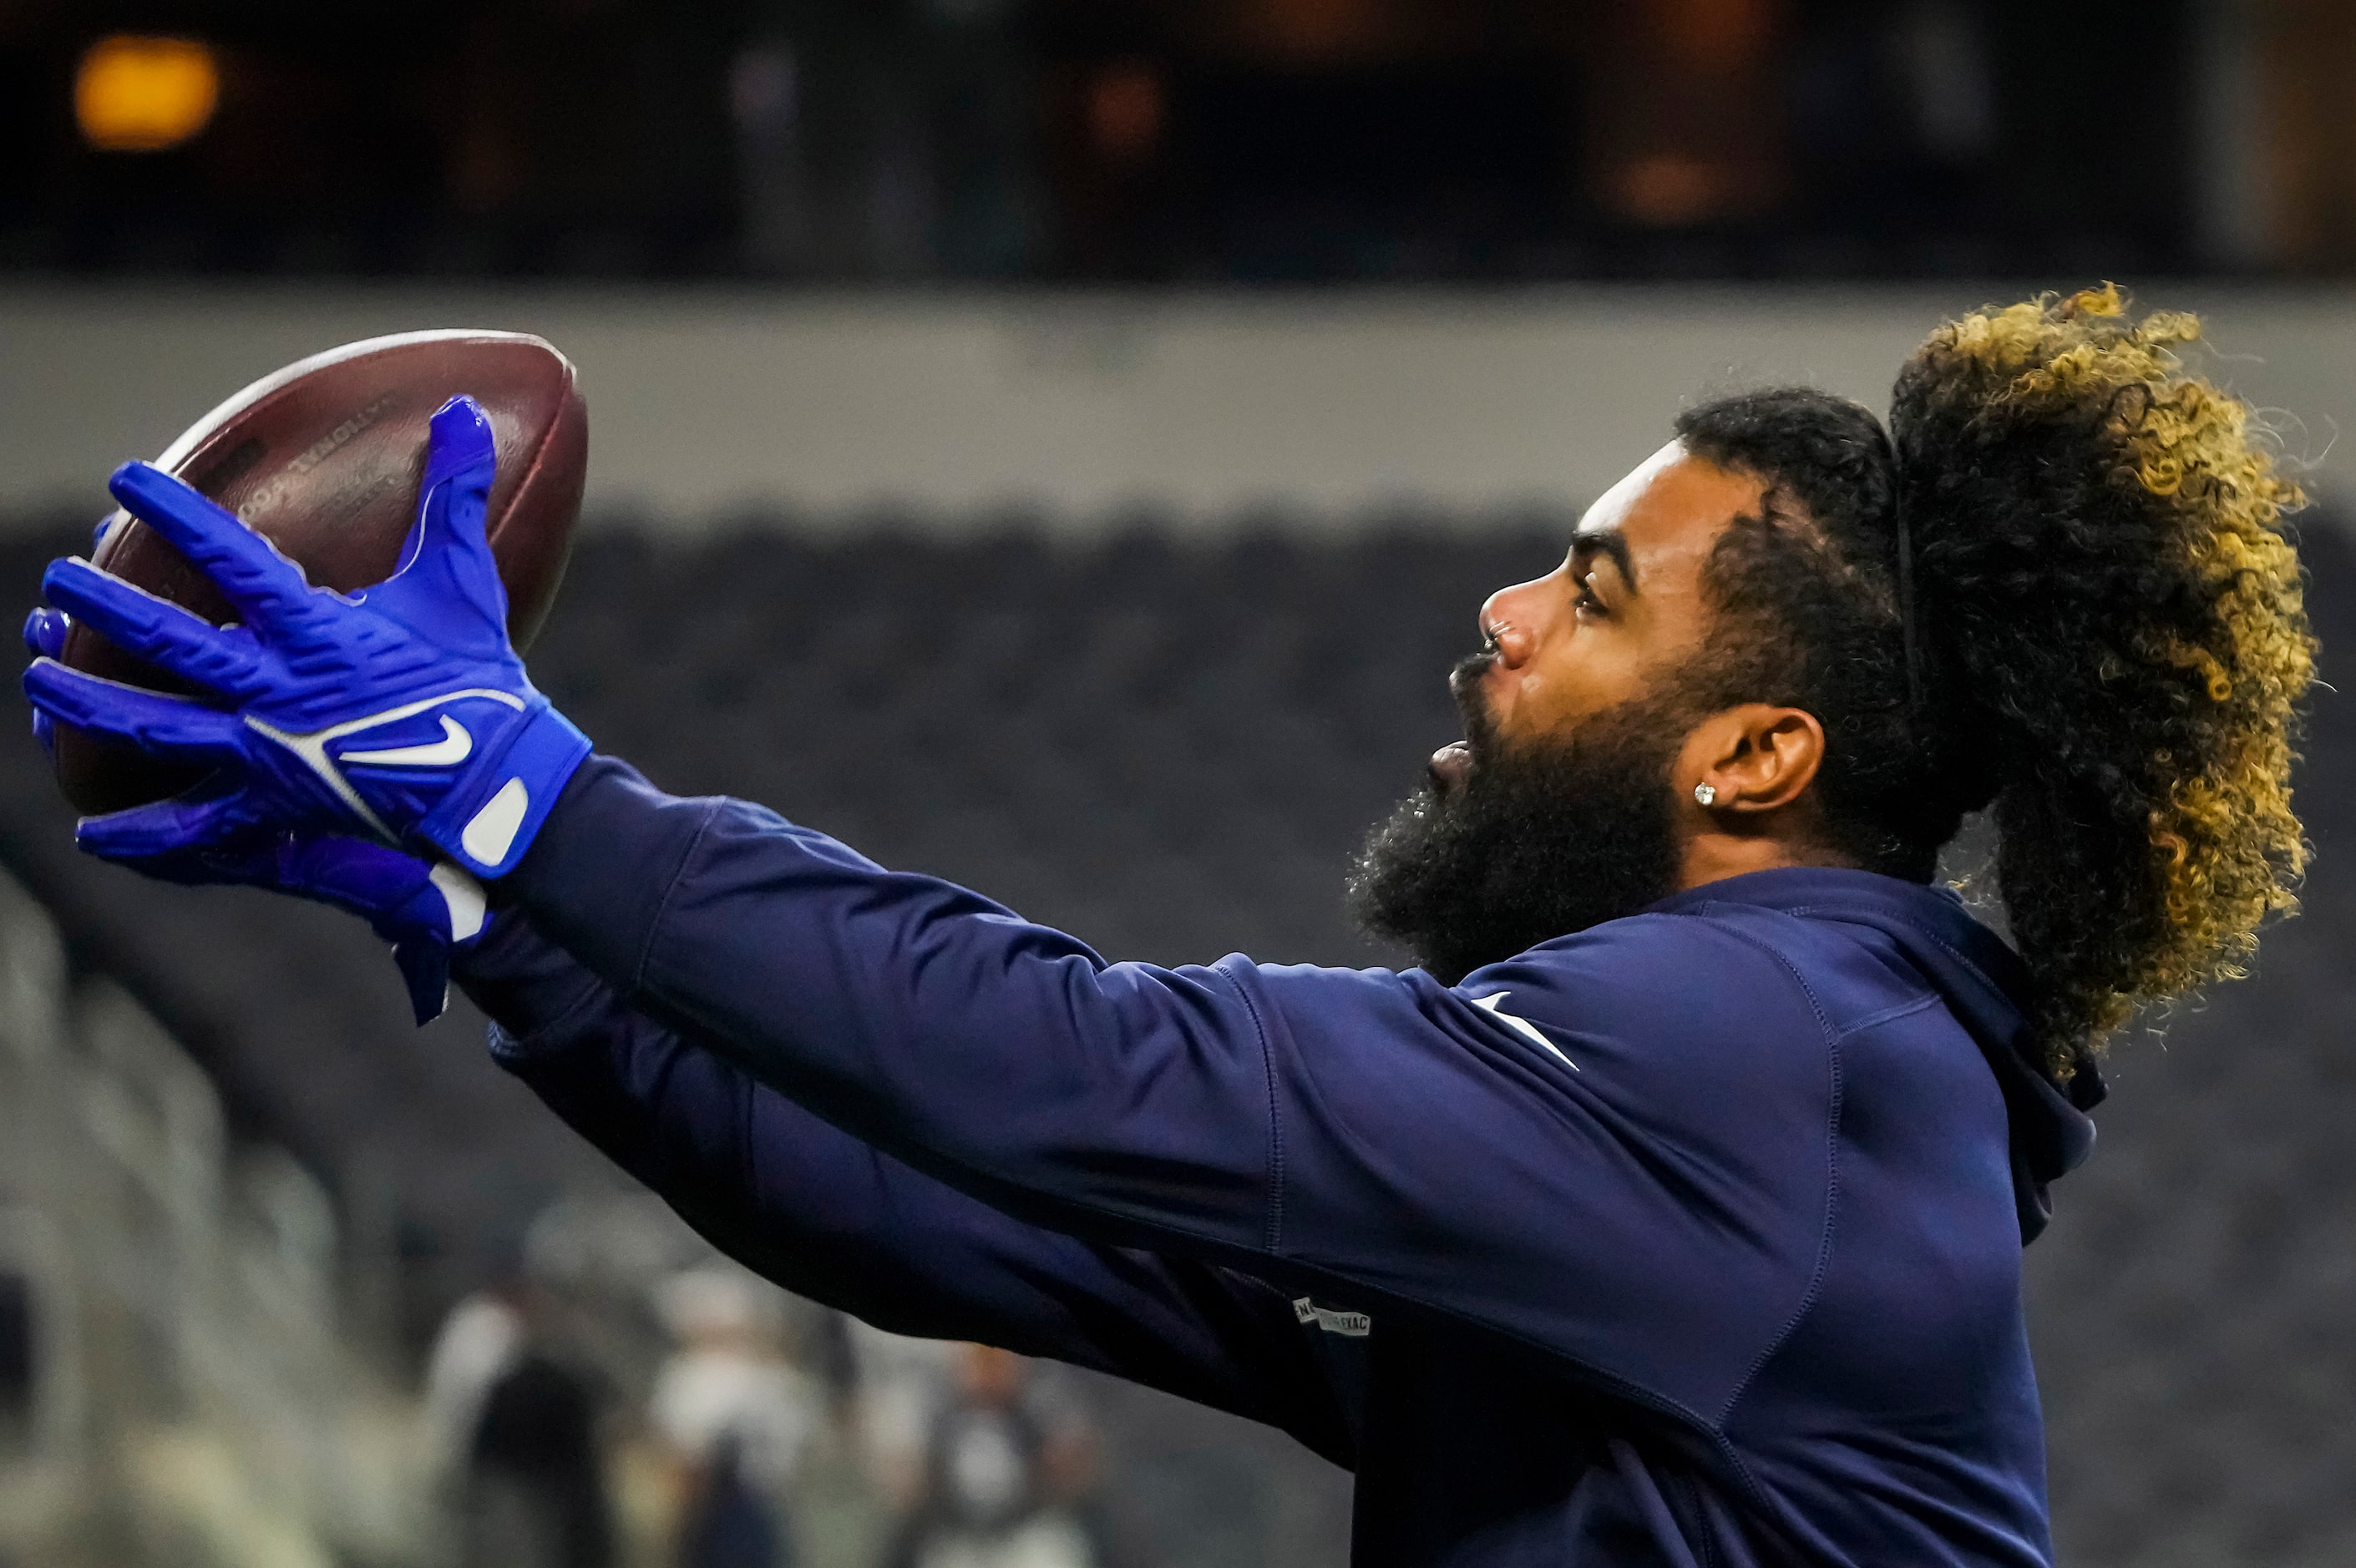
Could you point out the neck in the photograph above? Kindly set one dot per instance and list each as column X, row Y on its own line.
column 1713, row 856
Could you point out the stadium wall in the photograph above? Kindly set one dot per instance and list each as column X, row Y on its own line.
column 953, row 409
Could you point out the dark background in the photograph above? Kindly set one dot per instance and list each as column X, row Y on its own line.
column 1199, row 141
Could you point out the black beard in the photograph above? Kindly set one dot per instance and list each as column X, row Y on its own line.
column 1538, row 841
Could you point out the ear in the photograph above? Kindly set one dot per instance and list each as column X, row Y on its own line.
column 1753, row 759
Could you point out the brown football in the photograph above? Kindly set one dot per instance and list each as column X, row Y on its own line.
column 322, row 458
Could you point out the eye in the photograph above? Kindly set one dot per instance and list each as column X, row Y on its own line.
column 1584, row 600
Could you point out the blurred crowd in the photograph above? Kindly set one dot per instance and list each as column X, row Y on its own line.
column 709, row 1420
column 1242, row 141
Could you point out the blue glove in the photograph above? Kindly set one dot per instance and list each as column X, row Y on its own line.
column 426, row 912
column 400, row 712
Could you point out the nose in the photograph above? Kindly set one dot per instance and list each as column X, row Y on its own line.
column 1513, row 620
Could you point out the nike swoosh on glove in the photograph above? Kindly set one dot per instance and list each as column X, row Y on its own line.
column 401, row 711
column 426, row 912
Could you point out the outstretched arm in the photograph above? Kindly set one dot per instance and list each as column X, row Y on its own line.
column 834, row 1220
column 1630, row 1186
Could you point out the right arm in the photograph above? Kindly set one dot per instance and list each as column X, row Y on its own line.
column 837, row 1221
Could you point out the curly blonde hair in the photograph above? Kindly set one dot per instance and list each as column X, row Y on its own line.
column 2124, row 516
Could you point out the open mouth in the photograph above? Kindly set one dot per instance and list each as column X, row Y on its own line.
column 1450, row 767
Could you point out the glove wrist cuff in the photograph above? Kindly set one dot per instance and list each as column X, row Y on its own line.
column 488, row 822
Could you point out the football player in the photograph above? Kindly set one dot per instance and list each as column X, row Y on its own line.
column 1671, row 1210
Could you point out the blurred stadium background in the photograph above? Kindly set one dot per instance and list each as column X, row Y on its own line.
column 1059, row 444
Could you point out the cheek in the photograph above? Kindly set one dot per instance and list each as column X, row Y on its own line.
column 1549, row 694
column 1532, row 697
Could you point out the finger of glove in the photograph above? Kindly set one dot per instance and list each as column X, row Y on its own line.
column 154, row 628
column 164, row 726
column 460, row 457
column 209, row 841
column 45, row 631
column 267, row 589
column 424, row 965
column 355, row 874
column 447, row 540
column 45, row 636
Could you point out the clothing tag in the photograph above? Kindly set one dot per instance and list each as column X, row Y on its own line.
column 1357, row 1325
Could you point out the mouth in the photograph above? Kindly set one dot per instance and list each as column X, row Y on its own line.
column 1450, row 767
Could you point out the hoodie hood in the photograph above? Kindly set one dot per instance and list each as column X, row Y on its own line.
column 1985, row 985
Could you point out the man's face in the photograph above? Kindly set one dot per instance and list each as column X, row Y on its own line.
column 1557, row 809
column 1623, row 613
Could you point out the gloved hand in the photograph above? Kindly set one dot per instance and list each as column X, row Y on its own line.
column 401, row 711
column 426, row 912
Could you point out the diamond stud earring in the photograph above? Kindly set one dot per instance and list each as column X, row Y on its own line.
column 1706, row 794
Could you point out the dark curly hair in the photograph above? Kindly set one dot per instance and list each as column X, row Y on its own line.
column 2107, row 643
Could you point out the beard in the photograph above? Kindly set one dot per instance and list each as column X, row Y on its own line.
column 1537, row 841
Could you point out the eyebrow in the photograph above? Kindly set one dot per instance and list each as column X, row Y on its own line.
column 1610, row 542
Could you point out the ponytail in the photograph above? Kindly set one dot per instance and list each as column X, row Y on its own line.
column 2115, row 617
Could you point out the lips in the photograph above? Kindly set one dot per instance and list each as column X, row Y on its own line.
column 1450, row 766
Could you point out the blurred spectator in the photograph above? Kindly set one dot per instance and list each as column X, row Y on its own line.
column 515, row 1427
column 900, row 1385
column 20, row 1362
column 479, row 1342
column 735, row 1415
column 1006, row 1464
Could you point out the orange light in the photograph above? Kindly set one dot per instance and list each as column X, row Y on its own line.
column 141, row 94
column 1667, row 189
column 1125, row 111
column 1316, row 32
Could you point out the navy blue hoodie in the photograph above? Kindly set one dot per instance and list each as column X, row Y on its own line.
column 1693, row 1239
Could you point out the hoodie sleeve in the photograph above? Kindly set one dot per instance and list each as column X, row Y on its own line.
column 1618, row 1149
column 834, row 1220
